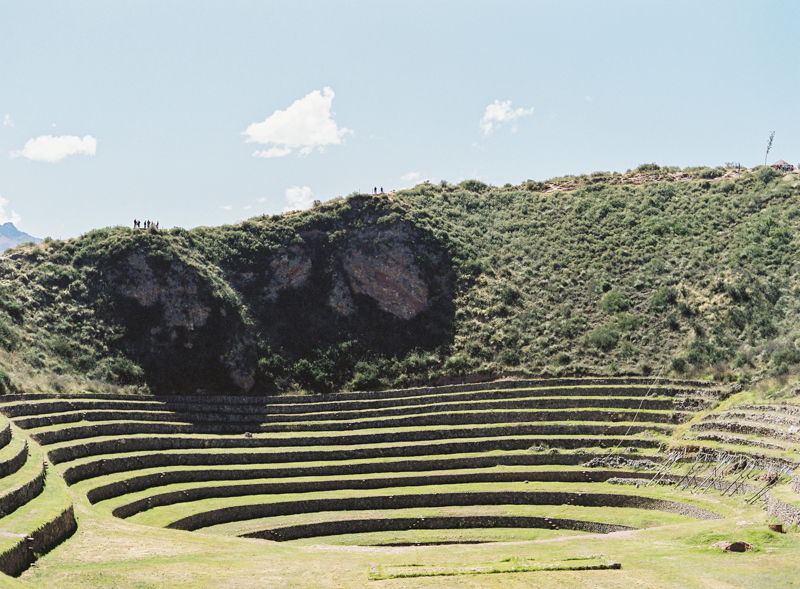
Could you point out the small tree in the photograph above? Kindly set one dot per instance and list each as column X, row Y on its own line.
column 769, row 146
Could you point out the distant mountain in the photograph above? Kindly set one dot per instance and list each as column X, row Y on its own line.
column 10, row 237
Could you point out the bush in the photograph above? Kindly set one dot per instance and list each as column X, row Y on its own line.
column 8, row 336
column 678, row 365
column 534, row 186
column 766, row 174
column 474, row 186
column 6, row 386
column 603, row 338
column 789, row 355
column 615, row 302
column 124, row 371
column 664, row 297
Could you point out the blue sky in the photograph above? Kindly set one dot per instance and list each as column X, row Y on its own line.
column 116, row 110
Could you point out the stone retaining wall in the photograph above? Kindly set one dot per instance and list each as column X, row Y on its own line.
column 247, row 512
column 5, row 434
column 787, row 514
column 746, row 429
column 87, row 447
column 14, row 463
column 209, row 492
column 222, row 414
column 19, row 557
column 93, row 469
column 106, row 465
column 440, row 418
column 170, row 477
column 737, row 441
column 360, row 526
column 124, row 428
column 678, row 386
column 21, row 495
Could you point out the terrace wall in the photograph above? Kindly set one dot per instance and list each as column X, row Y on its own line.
column 19, row 557
column 335, row 528
column 14, row 463
column 246, row 512
column 18, row 497
column 196, row 494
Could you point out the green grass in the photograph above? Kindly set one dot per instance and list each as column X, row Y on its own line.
column 107, row 552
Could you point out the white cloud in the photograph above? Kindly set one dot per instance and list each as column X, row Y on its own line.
column 226, row 207
column 501, row 112
column 272, row 152
column 298, row 198
column 588, row 98
column 410, row 176
column 7, row 122
column 305, row 125
column 5, row 217
column 262, row 199
column 47, row 148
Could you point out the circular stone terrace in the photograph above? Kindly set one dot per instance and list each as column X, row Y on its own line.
column 508, row 460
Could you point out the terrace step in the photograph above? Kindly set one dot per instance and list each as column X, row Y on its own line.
column 74, row 449
column 13, row 455
column 200, row 414
column 346, row 424
column 5, row 432
column 130, row 504
column 61, row 435
column 100, row 465
column 115, row 485
column 36, row 527
column 202, row 516
column 627, row 517
column 746, row 428
column 696, row 388
column 21, row 487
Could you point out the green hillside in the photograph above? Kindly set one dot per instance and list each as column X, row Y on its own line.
column 693, row 272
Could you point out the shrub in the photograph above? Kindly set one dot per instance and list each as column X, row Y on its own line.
column 664, row 297
column 534, row 186
column 474, row 186
column 766, row 174
column 790, row 355
column 678, row 365
column 6, row 386
column 8, row 336
column 509, row 357
column 603, row 338
column 615, row 302
column 124, row 371
column 510, row 295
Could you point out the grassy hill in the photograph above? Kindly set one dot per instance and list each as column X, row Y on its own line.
column 688, row 273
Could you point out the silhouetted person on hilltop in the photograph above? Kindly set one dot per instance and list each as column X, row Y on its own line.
column 381, row 189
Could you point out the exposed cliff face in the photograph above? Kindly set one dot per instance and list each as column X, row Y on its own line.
column 183, row 336
column 241, row 308
column 387, row 272
column 382, row 284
